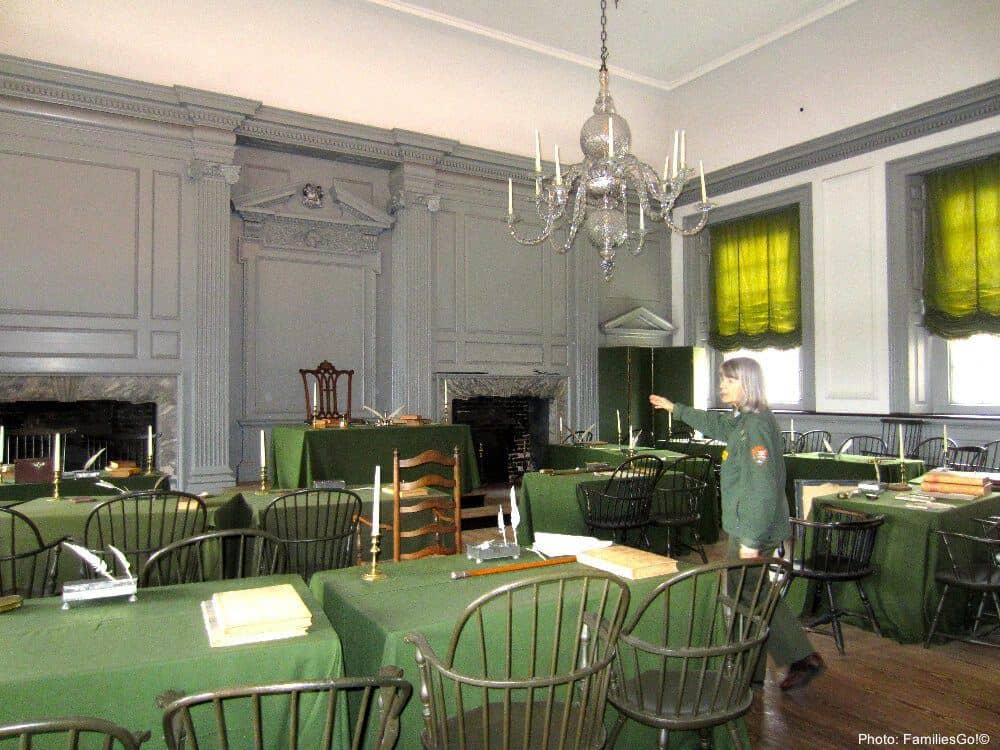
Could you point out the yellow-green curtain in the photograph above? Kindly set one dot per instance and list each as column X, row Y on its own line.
column 962, row 251
column 756, row 302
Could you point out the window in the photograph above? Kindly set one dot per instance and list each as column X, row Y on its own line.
column 782, row 373
column 778, row 332
column 973, row 364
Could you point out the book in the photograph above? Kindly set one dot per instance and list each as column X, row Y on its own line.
column 218, row 638
column 628, row 562
column 968, row 490
column 268, row 609
column 973, row 478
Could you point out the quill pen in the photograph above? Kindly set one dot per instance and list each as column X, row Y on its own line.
column 109, row 486
column 377, row 414
column 93, row 459
column 123, row 561
column 591, row 429
column 396, row 413
column 91, row 559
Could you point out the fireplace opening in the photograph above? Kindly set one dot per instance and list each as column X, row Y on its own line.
column 119, row 427
column 509, row 434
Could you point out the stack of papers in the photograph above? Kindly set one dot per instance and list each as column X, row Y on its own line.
column 628, row 562
column 557, row 545
column 253, row 615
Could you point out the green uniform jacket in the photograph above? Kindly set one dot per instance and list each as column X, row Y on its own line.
column 754, row 508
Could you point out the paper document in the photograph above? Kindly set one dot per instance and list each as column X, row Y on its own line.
column 555, row 545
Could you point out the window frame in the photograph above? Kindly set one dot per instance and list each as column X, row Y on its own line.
column 697, row 256
column 919, row 368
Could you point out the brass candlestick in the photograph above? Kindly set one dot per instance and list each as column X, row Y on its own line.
column 149, row 465
column 878, row 474
column 619, row 436
column 264, row 486
column 56, row 476
column 374, row 574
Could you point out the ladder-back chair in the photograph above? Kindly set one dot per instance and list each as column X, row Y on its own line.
column 434, row 515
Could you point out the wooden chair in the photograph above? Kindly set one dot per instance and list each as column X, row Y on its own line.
column 578, row 436
column 215, row 556
column 933, row 451
column 966, row 458
column 686, row 659
column 813, row 441
column 863, row 445
column 275, row 715
column 444, row 515
column 677, row 502
column 527, row 666
column 23, row 444
column 28, row 566
column 789, row 441
column 836, row 549
column 328, row 405
column 625, row 501
column 140, row 523
column 971, row 563
column 79, row 731
column 912, row 434
column 318, row 528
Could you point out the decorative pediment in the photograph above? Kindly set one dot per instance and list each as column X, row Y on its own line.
column 638, row 327
column 303, row 215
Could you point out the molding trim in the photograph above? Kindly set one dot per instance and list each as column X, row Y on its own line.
column 638, row 327
column 271, row 127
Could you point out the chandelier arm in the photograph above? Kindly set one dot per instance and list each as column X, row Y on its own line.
column 579, row 213
column 538, row 239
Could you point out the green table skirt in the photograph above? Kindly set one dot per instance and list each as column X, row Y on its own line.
column 302, row 454
column 419, row 596
column 842, row 466
column 12, row 494
column 112, row 659
column 902, row 590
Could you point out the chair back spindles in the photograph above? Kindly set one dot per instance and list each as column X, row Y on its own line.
column 624, row 502
column 813, row 441
column 318, row 528
column 215, row 556
column 971, row 563
column 966, row 458
column 933, row 451
column 863, row 445
column 330, row 404
column 913, row 430
column 28, row 566
column 74, row 731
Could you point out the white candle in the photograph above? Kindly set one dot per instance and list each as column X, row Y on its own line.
column 149, row 440
column 446, row 393
column 510, row 197
column 315, row 396
column 642, row 220
column 666, row 168
column 683, row 148
column 677, row 136
column 611, row 137
column 500, row 527
column 538, row 153
column 376, row 500
column 944, row 435
column 3, row 445
column 558, row 168
column 670, row 424
column 263, row 450
column 791, row 428
column 56, row 452
column 618, row 419
column 901, row 454
column 560, row 426
column 701, row 171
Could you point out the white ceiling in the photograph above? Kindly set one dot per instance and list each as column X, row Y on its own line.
column 653, row 42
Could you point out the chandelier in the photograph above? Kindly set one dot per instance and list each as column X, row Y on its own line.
column 595, row 194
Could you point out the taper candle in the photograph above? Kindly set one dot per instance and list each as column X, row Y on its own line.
column 376, row 500
column 791, row 427
column 315, row 396
column 683, row 149
column 642, row 220
column 510, row 197
column 560, row 426
column 263, row 450
column 944, row 435
column 149, row 440
column 618, row 420
column 446, row 393
column 666, row 168
column 701, row 172
column 670, row 424
column 538, row 153
column 677, row 137
column 3, row 445
column 558, row 167
column 901, row 454
column 57, row 452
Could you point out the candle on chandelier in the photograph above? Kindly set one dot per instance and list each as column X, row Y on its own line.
column 376, row 500
column 701, row 172
column 538, row 153
column 510, row 197
column 683, row 149
column 558, row 167
column 642, row 220
column 611, row 137
column 677, row 137
column 560, row 426
column 666, row 167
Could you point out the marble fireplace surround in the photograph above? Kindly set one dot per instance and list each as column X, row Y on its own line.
column 555, row 388
column 160, row 389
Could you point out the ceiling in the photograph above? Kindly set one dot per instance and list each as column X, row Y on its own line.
column 653, row 42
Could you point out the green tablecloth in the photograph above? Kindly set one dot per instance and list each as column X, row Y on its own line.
column 302, row 454
column 843, row 466
column 419, row 596
column 548, row 503
column 59, row 518
column 577, row 456
column 112, row 659
column 902, row 590
column 711, row 448
column 11, row 494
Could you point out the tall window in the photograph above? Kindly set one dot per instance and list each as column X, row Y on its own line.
column 782, row 373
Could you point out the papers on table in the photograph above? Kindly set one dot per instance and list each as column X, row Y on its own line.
column 628, row 562
column 556, row 545
column 253, row 615
column 920, row 501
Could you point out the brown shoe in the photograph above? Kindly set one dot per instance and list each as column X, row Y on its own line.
column 802, row 671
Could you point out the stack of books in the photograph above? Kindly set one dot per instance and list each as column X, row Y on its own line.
column 122, row 469
column 268, row 613
column 628, row 562
column 967, row 483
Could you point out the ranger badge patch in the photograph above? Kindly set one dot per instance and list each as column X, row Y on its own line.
column 759, row 453
column 725, row 454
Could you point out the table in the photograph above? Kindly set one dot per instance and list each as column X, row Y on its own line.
column 112, row 659
column 902, row 590
column 418, row 596
column 59, row 518
column 302, row 454
column 548, row 503
column 13, row 494
column 841, row 466
column 711, row 448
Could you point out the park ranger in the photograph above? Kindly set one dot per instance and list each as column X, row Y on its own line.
column 754, row 509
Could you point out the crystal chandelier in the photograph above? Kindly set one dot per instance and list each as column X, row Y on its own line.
column 597, row 191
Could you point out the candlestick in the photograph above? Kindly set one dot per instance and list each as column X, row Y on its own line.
column 56, row 464
column 263, row 481
column 701, row 171
column 510, row 197
column 376, row 501
column 901, row 453
column 374, row 574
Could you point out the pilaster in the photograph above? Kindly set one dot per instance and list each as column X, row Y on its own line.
column 583, row 388
column 413, row 288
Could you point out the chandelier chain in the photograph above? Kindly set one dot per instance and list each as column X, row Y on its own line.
column 604, row 34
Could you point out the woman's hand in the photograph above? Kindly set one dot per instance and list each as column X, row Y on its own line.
column 659, row 402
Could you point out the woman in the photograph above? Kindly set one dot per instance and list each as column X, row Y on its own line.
column 754, row 509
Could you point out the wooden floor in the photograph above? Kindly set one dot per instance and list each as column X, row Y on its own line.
column 879, row 687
